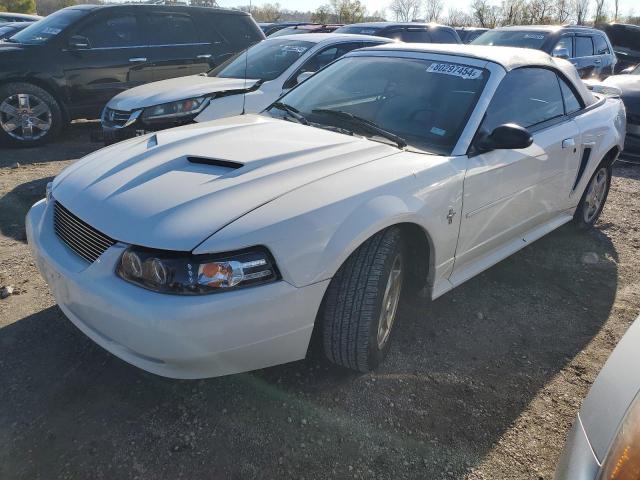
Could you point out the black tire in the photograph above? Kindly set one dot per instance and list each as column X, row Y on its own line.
column 583, row 218
column 7, row 91
column 352, row 306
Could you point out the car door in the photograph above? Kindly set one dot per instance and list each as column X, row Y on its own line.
column 586, row 62
column 603, row 54
column 508, row 193
column 104, row 56
column 175, row 44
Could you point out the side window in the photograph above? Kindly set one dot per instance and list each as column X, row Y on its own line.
column 443, row 35
column 565, row 42
column 322, row 58
column 600, row 45
column 171, row 29
column 571, row 102
column 415, row 36
column 526, row 97
column 584, row 47
column 112, row 31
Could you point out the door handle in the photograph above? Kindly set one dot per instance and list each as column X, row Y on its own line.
column 137, row 59
column 597, row 60
column 568, row 143
column 204, row 55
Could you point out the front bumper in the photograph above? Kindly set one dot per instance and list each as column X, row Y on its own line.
column 171, row 335
column 131, row 125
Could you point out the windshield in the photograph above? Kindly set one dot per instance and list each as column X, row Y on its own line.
column 511, row 38
column 425, row 103
column 289, row 31
column 624, row 38
column 359, row 30
column 264, row 61
column 47, row 28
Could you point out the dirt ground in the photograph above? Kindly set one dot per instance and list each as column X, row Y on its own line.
column 483, row 383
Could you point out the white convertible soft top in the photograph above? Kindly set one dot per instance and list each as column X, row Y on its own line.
column 508, row 58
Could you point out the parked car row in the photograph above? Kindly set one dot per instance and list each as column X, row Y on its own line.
column 71, row 63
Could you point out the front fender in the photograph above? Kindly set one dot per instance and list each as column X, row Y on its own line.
column 311, row 231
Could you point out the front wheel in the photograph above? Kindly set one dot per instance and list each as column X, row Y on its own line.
column 29, row 115
column 593, row 198
column 361, row 303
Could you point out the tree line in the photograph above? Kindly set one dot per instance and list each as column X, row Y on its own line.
column 481, row 13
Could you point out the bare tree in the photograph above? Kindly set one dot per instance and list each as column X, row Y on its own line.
column 405, row 10
column 581, row 9
column 480, row 12
column 322, row 14
column 458, row 18
column 563, row 11
column 600, row 12
column 348, row 11
column 434, row 10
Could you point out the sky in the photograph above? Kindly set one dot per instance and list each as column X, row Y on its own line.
column 373, row 5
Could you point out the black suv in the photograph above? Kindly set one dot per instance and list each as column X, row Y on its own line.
column 411, row 32
column 69, row 64
column 587, row 48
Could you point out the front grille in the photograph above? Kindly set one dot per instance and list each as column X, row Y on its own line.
column 116, row 118
column 83, row 239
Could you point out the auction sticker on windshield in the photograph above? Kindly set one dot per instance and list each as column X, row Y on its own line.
column 468, row 73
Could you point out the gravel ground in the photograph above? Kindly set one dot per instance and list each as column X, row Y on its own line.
column 483, row 383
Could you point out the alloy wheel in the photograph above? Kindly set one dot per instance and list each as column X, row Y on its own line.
column 390, row 301
column 25, row 117
column 595, row 195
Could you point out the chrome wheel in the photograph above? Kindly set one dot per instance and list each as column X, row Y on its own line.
column 594, row 198
column 390, row 301
column 25, row 117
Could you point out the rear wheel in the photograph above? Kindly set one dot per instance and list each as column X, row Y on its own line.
column 361, row 304
column 29, row 115
column 593, row 198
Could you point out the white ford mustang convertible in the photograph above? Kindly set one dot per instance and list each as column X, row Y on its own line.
column 216, row 248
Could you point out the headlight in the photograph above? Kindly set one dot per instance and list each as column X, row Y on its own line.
column 181, row 108
column 49, row 191
column 196, row 274
column 623, row 460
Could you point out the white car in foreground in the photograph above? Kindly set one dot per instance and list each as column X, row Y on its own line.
column 246, row 83
column 216, row 248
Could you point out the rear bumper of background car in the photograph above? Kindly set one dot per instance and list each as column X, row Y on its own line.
column 172, row 335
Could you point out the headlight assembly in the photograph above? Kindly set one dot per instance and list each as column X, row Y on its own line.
column 175, row 110
column 185, row 274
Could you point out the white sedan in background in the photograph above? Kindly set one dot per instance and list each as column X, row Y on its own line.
column 221, row 247
column 246, row 83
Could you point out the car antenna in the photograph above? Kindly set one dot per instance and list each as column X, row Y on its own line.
column 246, row 67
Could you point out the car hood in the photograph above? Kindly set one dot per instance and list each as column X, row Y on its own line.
column 151, row 191
column 629, row 84
column 174, row 89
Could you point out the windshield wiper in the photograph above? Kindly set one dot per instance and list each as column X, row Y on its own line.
column 368, row 124
column 292, row 111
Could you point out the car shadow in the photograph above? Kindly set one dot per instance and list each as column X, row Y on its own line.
column 75, row 141
column 627, row 168
column 460, row 371
column 15, row 204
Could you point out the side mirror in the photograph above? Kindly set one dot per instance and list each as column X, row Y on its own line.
column 78, row 42
column 561, row 53
column 505, row 137
column 303, row 76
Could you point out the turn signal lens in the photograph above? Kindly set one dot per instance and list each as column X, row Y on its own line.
column 182, row 274
column 623, row 460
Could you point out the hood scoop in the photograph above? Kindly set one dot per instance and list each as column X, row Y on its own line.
column 215, row 162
